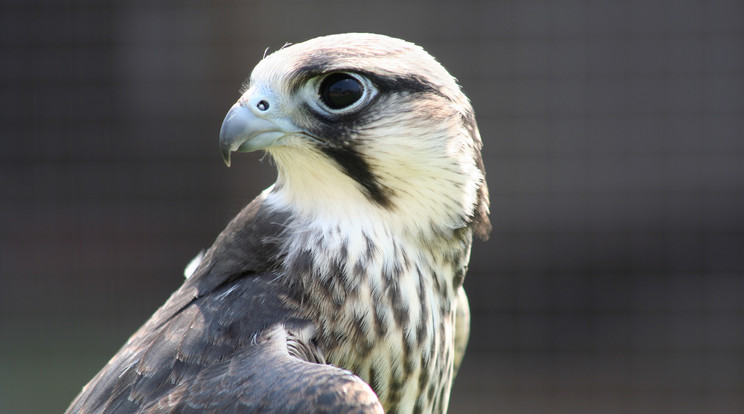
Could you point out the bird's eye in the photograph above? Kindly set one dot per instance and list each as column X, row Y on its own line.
column 340, row 90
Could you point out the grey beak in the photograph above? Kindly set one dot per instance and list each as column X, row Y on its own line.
column 244, row 131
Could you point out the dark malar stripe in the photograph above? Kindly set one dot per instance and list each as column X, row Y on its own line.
column 356, row 167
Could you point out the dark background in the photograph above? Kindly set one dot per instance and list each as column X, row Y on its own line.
column 614, row 143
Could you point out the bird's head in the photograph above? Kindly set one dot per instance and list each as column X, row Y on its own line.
column 364, row 125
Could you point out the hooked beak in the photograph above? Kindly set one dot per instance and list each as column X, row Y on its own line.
column 244, row 131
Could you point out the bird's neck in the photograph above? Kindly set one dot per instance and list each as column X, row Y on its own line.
column 422, row 206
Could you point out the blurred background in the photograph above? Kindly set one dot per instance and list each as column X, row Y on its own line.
column 614, row 144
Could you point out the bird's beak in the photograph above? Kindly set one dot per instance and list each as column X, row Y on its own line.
column 244, row 131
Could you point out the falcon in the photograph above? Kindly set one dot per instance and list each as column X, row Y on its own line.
column 339, row 288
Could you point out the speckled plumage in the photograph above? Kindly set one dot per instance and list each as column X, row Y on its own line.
column 339, row 289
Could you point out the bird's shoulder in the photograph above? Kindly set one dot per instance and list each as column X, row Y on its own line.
column 230, row 339
column 271, row 377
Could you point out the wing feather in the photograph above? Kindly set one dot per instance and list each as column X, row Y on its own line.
column 236, row 350
column 227, row 341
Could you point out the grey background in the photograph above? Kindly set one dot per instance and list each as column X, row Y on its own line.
column 614, row 143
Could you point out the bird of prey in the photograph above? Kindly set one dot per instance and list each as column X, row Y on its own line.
column 339, row 288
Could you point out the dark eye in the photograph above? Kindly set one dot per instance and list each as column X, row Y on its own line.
column 340, row 90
